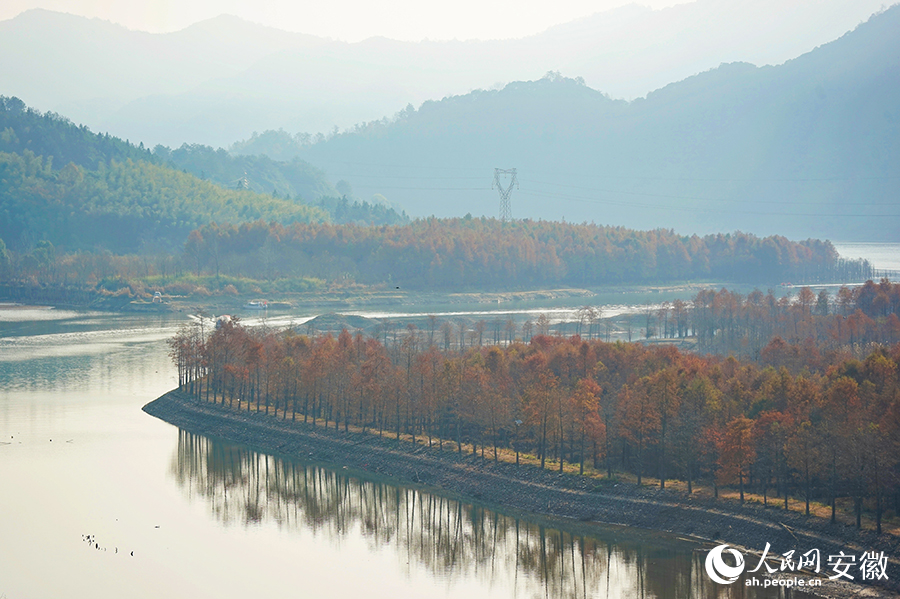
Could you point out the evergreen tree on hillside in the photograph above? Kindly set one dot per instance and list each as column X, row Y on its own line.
column 59, row 140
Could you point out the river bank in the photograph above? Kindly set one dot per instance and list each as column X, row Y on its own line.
column 530, row 489
column 324, row 300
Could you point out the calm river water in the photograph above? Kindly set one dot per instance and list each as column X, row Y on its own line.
column 98, row 499
column 101, row 500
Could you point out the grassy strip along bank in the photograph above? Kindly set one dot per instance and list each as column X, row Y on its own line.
column 530, row 488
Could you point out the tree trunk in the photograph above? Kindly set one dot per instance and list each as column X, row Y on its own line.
column 690, row 475
column 834, row 489
column 581, row 465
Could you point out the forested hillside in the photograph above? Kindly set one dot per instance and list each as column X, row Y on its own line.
column 295, row 179
column 290, row 179
column 113, row 201
column 63, row 184
column 121, row 206
column 59, row 140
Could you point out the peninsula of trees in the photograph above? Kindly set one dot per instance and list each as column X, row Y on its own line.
column 812, row 422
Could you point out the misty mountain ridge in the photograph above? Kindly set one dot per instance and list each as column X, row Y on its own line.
column 808, row 148
column 222, row 79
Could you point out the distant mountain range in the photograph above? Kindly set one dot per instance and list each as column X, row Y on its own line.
column 222, row 79
column 809, row 148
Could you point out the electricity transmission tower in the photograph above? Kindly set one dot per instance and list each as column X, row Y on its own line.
column 505, row 214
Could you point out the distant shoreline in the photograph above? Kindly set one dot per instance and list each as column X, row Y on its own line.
column 330, row 301
column 528, row 488
column 346, row 301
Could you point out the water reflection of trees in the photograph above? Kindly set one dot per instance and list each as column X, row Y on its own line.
column 452, row 539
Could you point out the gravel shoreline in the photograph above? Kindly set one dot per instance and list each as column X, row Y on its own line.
column 530, row 489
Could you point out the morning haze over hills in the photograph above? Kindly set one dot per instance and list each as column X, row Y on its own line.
column 806, row 148
column 219, row 80
column 637, row 122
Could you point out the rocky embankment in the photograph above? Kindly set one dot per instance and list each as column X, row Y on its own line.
column 532, row 489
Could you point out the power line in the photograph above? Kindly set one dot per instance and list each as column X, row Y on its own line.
column 433, row 188
column 359, row 176
column 418, row 167
column 683, row 197
column 696, row 209
column 583, row 199
column 553, row 194
column 597, row 175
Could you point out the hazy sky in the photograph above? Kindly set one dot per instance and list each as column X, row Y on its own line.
column 349, row 20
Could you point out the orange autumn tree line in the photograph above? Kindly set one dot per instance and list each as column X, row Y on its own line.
column 822, row 434
column 454, row 253
column 728, row 322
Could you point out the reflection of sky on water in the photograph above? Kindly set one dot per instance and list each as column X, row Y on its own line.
column 75, row 344
column 556, row 314
column 882, row 256
column 46, row 332
column 608, row 304
column 20, row 313
column 83, row 368
column 83, row 350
